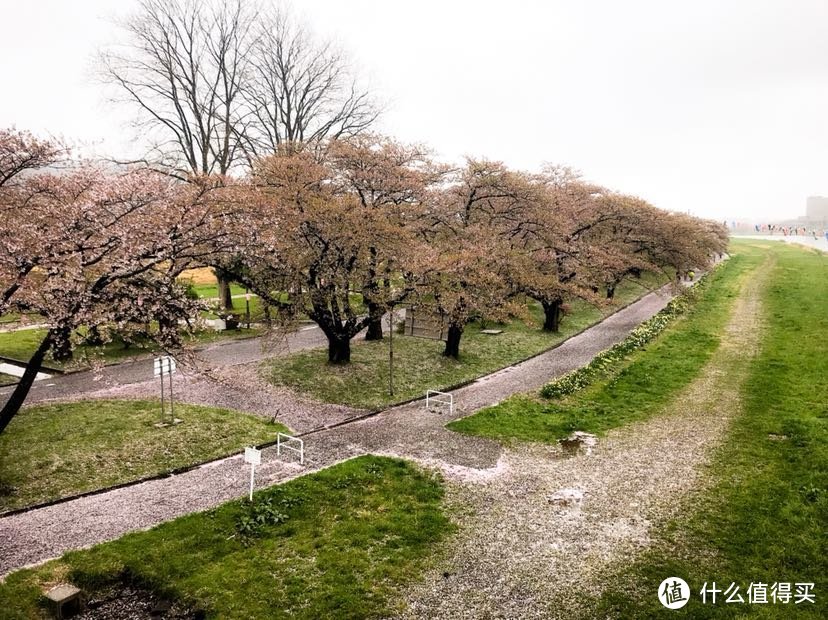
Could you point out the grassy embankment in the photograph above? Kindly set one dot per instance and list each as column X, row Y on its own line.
column 636, row 387
column 763, row 518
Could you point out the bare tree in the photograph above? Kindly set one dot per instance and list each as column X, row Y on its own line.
column 218, row 83
column 299, row 90
column 183, row 69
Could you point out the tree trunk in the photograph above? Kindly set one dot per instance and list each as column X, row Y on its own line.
column 94, row 337
column 453, row 342
column 374, row 331
column 610, row 291
column 551, row 315
column 339, row 350
column 225, row 296
column 369, row 294
column 62, row 345
column 20, row 393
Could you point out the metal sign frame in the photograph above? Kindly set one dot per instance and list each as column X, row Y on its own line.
column 423, row 322
column 165, row 365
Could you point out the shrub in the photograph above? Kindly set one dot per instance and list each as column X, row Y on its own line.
column 263, row 512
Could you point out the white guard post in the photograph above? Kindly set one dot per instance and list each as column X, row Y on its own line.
column 253, row 457
column 441, row 399
column 284, row 440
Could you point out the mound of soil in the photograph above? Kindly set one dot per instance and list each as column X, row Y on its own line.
column 127, row 602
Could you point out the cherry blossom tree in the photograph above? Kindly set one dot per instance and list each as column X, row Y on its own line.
column 558, row 261
column 311, row 242
column 93, row 248
column 640, row 237
column 393, row 181
column 623, row 242
column 21, row 155
column 21, row 152
column 472, row 260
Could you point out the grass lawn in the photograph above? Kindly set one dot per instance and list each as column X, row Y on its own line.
column 764, row 517
column 338, row 543
column 21, row 344
column 208, row 336
column 639, row 387
column 257, row 308
column 419, row 364
column 7, row 379
column 240, row 309
column 51, row 451
column 210, row 291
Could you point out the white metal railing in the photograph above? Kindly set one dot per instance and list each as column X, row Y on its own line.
column 285, row 443
column 441, row 398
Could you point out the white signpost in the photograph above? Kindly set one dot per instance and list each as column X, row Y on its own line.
column 165, row 365
column 253, row 457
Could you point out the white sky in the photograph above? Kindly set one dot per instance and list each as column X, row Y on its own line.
column 719, row 107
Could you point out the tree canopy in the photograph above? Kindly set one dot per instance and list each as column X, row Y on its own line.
column 341, row 231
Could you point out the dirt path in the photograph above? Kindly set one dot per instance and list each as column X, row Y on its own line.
column 516, row 551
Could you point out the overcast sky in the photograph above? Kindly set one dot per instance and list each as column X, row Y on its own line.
column 719, row 107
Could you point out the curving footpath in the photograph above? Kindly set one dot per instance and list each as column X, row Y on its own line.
column 139, row 369
column 407, row 431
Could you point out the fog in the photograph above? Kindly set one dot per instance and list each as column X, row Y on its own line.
column 716, row 108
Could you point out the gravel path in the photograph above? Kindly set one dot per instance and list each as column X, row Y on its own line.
column 407, row 430
column 517, row 551
column 224, row 353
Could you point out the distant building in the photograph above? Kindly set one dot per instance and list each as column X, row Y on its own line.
column 816, row 209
